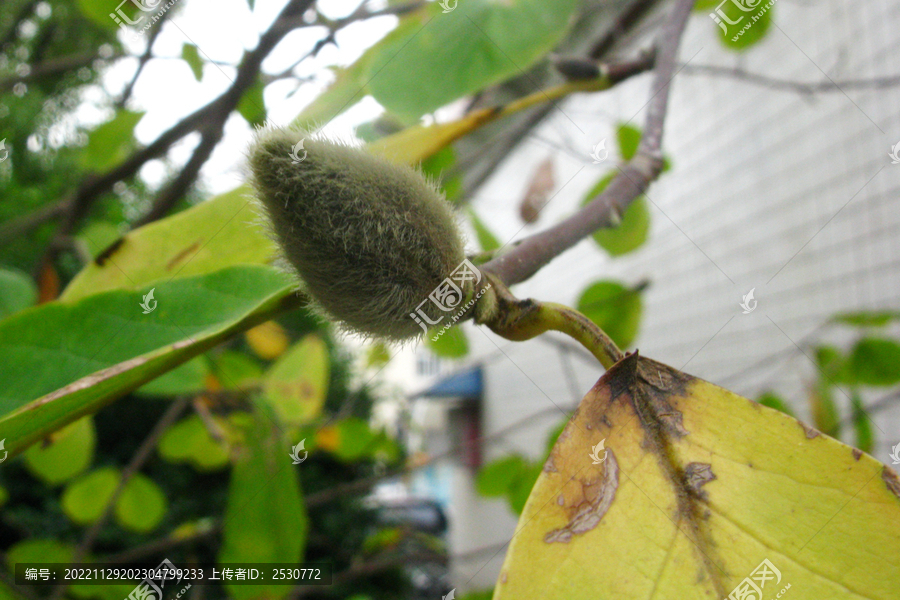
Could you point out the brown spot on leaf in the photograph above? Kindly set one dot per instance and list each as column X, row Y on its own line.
column 550, row 466
column 696, row 475
column 811, row 432
column 891, row 480
column 857, row 453
column 107, row 252
column 597, row 496
column 181, row 255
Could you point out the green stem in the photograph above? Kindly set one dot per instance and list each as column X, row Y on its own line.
column 520, row 320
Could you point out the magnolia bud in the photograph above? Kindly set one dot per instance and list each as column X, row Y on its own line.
column 369, row 239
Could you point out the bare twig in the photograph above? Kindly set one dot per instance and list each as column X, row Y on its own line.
column 362, row 485
column 13, row 229
column 179, row 186
column 794, row 86
column 93, row 187
column 52, row 67
column 142, row 62
column 534, row 252
column 137, row 461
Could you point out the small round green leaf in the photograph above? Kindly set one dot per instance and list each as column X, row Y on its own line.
column 17, row 292
column 614, row 308
column 876, row 361
column 453, row 343
column 142, row 504
column 189, row 441
column 495, row 478
column 70, row 451
column 84, row 499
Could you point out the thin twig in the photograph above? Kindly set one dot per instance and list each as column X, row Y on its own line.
column 142, row 62
column 248, row 71
column 794, row 86
column 534, row 252
column 15, row 228
column 140, row 457
column 52, row 66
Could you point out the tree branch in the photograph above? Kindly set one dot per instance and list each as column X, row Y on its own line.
column 142, row 62
column 140, row 457
column 794, row 86
column 216, row 112
column 51, row 67
column 532, row 253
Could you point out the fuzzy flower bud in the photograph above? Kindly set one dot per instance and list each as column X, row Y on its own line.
column 369, row 239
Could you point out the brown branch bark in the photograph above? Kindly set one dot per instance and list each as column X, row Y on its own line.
column 526, row 258
column 216, row 111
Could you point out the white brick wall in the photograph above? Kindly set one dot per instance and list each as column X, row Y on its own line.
column 759, row 175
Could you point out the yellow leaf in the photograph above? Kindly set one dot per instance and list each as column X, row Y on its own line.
column 297, row 383
column 697, row 488
column 415, row 144
column 267, row 340
column 328, row 438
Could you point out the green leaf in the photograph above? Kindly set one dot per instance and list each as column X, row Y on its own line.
column 98, row 11
column 105, row 347
column 439, row 167
column 630, row 234
column 377, row 355
column 110, row 143
column 236, row 371
column 189, row 441
column 191, row 56
column 876, row 362
column 634, row 228
column 39, row 550
column 346, row 90
column 84, row 499
column 744, row 32
column 772, row 400
column 141, row 505
column 824, row 411
column 188, row 378
column 265, row 518
column 215, row 234
column 17, row 292
column 496, row 478
column 98, row 236
column 614, row 308
column 487, row 240
column 432, row 58
column 629, row 138
column 698, row 488
column 877, row 318
column 706, row 5
column 348, row 439
column 862, row 424
column 252, row 106
column 833, row 365
column 521, row 487
column 70, row 452
column 453, row 343
column 296, row 385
